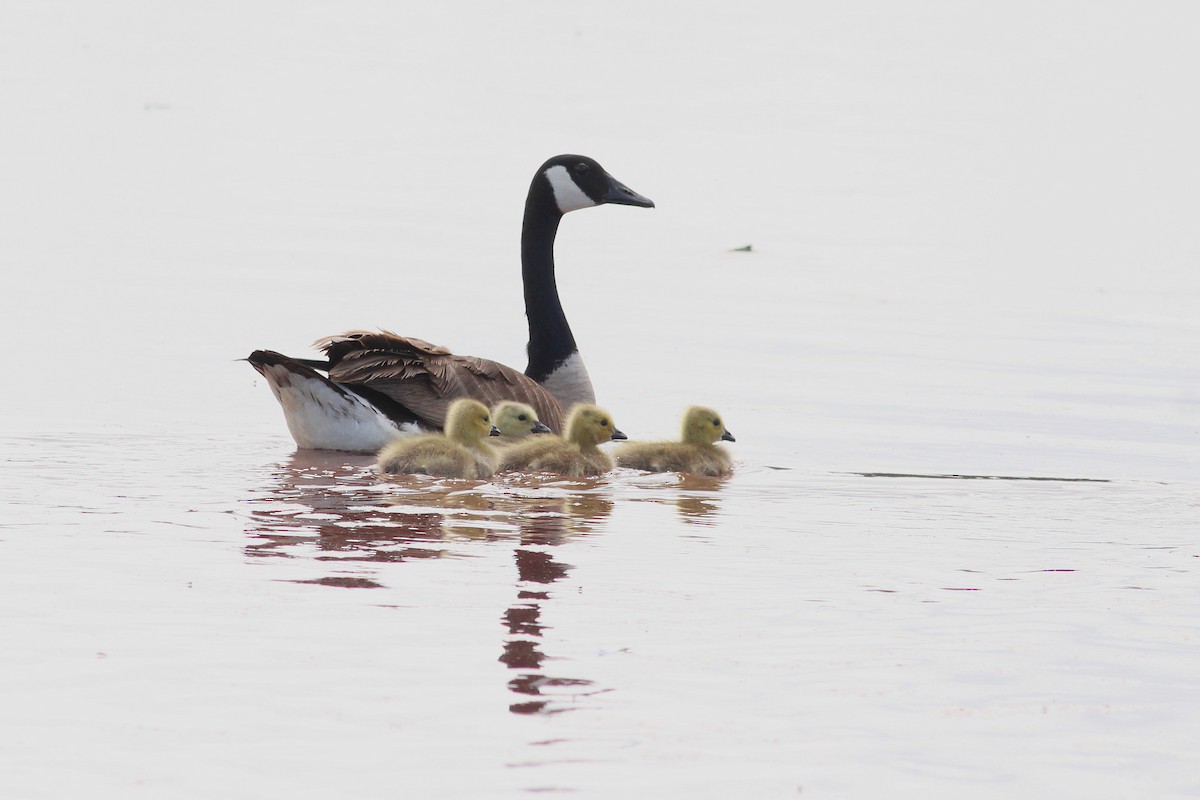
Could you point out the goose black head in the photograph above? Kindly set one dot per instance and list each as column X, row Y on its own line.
column 579, row 182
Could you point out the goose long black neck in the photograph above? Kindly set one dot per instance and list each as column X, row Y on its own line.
column 550, row 339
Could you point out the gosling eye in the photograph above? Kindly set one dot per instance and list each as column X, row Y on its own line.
column 523, row 418
column 581, row 168
column 716, row 423
column 603, row 423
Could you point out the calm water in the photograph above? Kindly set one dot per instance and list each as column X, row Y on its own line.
column 959, row 551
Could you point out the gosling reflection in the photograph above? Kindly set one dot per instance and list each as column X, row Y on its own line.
column 696, row 498
column 334, row 507
column 696, row 510
column 697, row 502
column 461, row 509
column 545, row 524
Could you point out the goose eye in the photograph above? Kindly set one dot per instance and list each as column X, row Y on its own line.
column 523, row 418
column 581, row 169
column 603, row 423
column 716, row 423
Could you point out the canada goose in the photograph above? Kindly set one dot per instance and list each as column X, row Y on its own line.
column 696, row 452
column 381, row 384
column 460, row 452
column 516, row 422
column 575, row 455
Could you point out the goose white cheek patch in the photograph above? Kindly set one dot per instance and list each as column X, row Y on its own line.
column 566, row 193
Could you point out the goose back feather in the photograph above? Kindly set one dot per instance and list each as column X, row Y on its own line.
column 425, row 378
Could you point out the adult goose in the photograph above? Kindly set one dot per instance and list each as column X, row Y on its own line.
column 381, row 384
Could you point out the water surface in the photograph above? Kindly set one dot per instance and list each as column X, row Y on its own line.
column 959, row 550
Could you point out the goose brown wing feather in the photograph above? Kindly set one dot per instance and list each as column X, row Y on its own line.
column 426, row 378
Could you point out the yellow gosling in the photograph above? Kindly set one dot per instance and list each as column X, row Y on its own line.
column 696, row 452
column 460, row 452
column 574, row 455
column 516, row 421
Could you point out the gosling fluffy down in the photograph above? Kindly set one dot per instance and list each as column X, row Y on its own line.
column 696, row 452
column 460, row 452
column 574, row 455
column 516, row 421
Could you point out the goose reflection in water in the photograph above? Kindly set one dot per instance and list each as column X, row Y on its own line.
column 331, row 502
column 545, row 524
column 337, row 504
column 582, row 507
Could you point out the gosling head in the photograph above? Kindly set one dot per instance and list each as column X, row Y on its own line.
column 469, row 421
column 704, row 426
column 579, row 182
column 516, row 419
column 589, row 426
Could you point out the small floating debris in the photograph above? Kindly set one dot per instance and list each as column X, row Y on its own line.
column 745, row 249
column 343, row 582
column 958, row 477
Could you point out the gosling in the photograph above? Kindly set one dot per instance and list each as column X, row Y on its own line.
column 576, row 455
column 516, row 422
column 696, row 452
column 460, row 452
